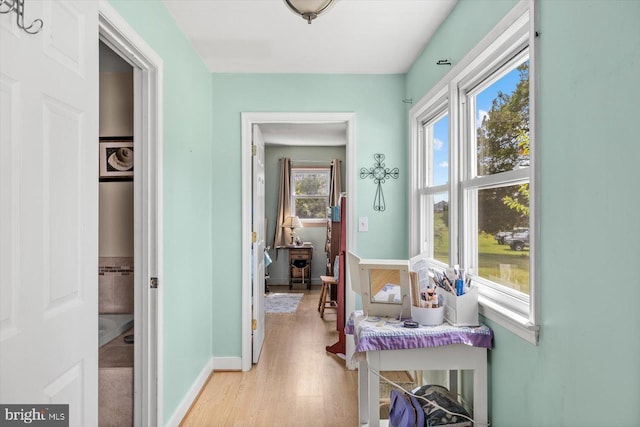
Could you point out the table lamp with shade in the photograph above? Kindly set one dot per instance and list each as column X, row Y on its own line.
column 292, row 222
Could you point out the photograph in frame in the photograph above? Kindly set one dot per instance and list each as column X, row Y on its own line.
column 116, row 159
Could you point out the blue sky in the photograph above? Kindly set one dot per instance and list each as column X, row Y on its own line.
column 484, row 99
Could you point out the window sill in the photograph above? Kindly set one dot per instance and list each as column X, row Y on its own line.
column 509, row 320
column 308, row 223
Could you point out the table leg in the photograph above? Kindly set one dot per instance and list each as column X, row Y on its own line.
column 374, row 391
column 363, row 392
column 480, row 394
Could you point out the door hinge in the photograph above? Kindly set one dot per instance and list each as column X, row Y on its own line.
column 253, row 149
column 153, row 283
column 254, row 237
column 254, row 324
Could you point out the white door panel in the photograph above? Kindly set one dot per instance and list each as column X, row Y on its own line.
column 49, row 218
column 259, row 245
column 9, row 206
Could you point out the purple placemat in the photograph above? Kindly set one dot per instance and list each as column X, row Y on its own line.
column 394, row 336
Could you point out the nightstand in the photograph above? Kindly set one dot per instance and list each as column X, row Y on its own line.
column 300, row 265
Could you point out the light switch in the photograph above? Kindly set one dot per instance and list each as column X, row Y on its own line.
column 363, row 223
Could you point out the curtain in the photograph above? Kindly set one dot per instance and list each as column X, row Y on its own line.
column 281, row 236
column 335, row 188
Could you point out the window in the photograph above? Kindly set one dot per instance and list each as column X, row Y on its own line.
column 434, row 188
column 472, row 174
column 495, row 182
column 310, row 194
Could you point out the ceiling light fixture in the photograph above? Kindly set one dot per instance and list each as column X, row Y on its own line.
column 309, row 9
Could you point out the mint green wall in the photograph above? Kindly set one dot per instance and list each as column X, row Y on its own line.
column 380, row 127
column 187, row 275
column 279, row 270
column 465, row 26
column 588, row 149
column 585, row 370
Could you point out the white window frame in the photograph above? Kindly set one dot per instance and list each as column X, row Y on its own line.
column 426, row 190
column 309, row 169
column 514, row 33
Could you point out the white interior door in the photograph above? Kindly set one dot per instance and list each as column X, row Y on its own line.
column 48, row 209
column 259, row 244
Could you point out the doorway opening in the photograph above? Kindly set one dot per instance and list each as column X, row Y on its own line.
column 145, row 191
column 116, row 240
column 253, row 288
column 310, row 149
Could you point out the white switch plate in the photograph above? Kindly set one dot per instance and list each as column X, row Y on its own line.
column 363, row 223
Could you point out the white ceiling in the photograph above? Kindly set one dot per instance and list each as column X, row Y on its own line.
column 352, row 37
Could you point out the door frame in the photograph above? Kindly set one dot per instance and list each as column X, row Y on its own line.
column 248, row 120
column 147, row 65
column 259, row 246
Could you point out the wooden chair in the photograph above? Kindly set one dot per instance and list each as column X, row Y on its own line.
column 325, row 295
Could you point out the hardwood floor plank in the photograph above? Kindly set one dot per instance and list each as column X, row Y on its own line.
column 295, row 383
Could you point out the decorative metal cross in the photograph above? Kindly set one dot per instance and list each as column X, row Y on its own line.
column 380, row 174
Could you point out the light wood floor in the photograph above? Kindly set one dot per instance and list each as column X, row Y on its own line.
column 295, row 383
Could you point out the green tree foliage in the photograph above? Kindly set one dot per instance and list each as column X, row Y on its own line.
column 503, row 145
column 499, row 135
column 520, row 203
column 311, row 184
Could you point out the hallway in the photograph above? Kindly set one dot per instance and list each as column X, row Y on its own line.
column 296, row 383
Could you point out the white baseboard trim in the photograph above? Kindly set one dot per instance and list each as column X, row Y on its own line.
column 188, row 400
column 284, row 282
column 273, row 280
column 227, row 364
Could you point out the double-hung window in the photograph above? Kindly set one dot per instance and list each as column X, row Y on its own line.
column 434, row 182
column 473, row 178
column 310, row 194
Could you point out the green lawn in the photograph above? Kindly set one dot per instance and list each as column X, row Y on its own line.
column 498, row 263
column 441, row 247
column 502, row 264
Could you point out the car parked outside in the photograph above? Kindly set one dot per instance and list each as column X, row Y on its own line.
column 502, row 236
column 518, row 241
